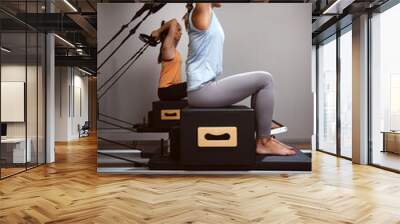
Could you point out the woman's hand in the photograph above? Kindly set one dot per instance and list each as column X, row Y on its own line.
column 169, row 26
column 156, row 34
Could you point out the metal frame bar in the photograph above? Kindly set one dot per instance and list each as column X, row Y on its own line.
column 135, row 163
column 117, row 143
column 385, row 168
column 317, row 96
column 370, row 148
column 333, row 154
column 338, row 94
column 45, row 90
column 387, row 5
column 117, row 126
column 146, row 171
column 116, row 119
column 18, row 20
column 37, row 92
column 26, row 88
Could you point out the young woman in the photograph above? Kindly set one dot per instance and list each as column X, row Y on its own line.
column 204, row 65
column 170, row 87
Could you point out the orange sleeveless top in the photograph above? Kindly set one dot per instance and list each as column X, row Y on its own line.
column 171, row 71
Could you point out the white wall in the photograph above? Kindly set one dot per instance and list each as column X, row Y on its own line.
column 15, row 73
column 69, row 82
column 12, row 73
column 18, row 73
column 80, row 109
column 271, row 37
column 61, row 103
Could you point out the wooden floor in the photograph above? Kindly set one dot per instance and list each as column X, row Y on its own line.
column 70, row 191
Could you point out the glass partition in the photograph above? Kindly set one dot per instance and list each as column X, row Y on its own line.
column 14, row 153
column 385, row 89
column 327, row 96
column 41, row 97
column 335, row 94
column 32, row 95
column 22, row 64
column 346, row 95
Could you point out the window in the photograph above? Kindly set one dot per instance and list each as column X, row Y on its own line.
column 385, row 89
column 327, row 96
column 346, row 74
column 335, row 74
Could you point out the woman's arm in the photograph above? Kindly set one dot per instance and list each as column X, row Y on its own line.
column 168, row 46
column 157, row 33
column 201, row 16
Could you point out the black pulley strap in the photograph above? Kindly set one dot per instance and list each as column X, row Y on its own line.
column 152, row 7
column 123, row 27
column 135, row 163
column 114, row 37
column 115, row 119
column 120, row 68
column 123, row 73
column 148, row 40
column 131, row 32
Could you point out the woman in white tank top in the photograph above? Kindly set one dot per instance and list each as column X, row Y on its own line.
column 204, row 65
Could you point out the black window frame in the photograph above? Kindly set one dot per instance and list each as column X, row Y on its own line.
column 347, row 27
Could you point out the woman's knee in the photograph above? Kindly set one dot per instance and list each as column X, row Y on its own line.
column 265, row 79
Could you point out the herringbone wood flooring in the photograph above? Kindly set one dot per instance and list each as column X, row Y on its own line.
column 70, row 191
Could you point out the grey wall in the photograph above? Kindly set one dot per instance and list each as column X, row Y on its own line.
column 271, row 37
column 70, row 109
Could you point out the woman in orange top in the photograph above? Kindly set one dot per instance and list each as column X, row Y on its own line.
column 171, row 87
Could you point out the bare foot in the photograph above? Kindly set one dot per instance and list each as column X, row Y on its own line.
column 283, row 144
column 273, row 147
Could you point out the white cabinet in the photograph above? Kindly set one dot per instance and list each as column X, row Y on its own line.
column 17, row 146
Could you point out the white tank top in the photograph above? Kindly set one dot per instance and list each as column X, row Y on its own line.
column 204, row 62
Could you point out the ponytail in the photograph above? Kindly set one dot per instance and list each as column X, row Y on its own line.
column 189, row 7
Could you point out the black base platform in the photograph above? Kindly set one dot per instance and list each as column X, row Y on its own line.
column 144, row 128
column 298, row 162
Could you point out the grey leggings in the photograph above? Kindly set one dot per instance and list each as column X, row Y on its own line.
column 231, row 90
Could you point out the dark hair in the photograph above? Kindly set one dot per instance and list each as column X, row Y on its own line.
column 163, row 35
column 189, row 7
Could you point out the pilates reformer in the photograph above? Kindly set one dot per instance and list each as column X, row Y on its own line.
column 200, row 140
column 206, row 141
